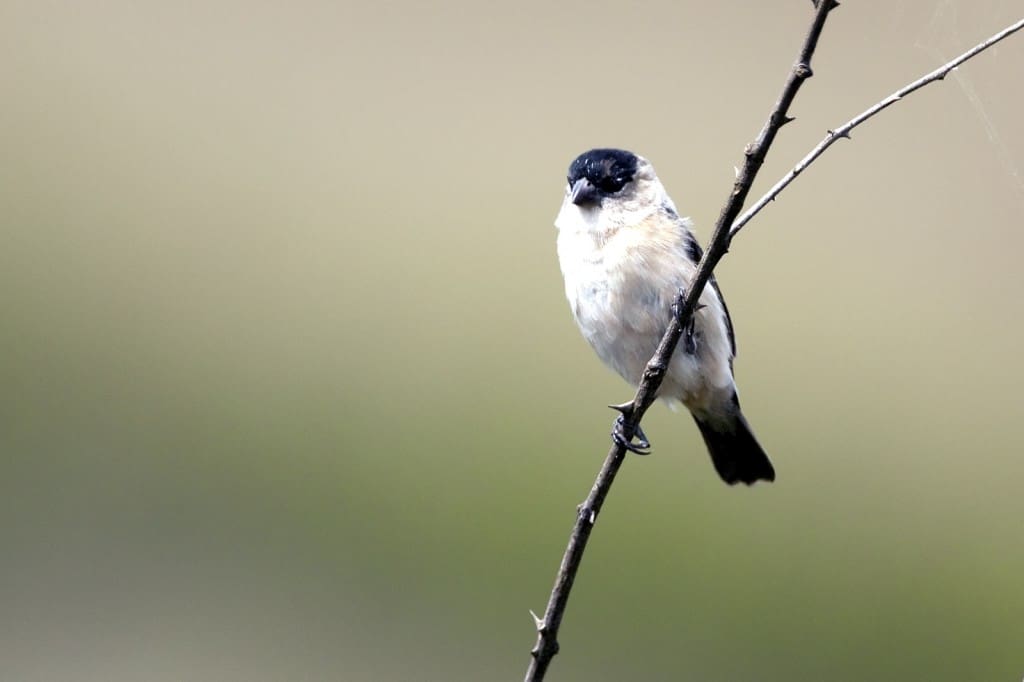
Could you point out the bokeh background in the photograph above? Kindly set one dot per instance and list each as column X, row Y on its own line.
column 289, row 389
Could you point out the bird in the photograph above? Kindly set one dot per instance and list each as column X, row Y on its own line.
column 625, row 255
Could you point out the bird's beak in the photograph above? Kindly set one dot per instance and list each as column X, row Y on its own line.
column 584, row 193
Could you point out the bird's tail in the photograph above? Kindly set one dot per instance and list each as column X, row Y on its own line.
column 735, row 452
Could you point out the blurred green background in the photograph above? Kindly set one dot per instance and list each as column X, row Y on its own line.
column 290, row 390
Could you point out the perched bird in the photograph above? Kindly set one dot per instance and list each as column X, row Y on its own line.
column 625, row 255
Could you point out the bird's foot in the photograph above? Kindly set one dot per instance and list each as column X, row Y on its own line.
column 689, row 342
column 642, row 445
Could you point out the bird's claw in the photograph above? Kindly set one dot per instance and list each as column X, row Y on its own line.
column 642, row 445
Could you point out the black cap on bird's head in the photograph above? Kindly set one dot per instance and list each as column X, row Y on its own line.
column 599, row 173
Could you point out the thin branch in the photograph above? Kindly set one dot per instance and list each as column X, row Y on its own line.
column 844, row 130
column 547, row 627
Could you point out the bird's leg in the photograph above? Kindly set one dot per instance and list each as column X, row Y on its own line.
column 688, row 340
column 642, row 446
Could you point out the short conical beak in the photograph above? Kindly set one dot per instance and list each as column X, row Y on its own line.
column 584, row 193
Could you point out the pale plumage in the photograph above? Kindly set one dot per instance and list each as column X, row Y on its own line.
column 625, row 253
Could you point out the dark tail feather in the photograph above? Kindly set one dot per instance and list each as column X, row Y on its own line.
column 735, row 452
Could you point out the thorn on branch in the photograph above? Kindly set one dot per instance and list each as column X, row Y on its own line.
column 538, row 621
column 624, row 408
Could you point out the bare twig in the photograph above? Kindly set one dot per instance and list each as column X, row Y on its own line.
column 547, row 627
column 844, row 130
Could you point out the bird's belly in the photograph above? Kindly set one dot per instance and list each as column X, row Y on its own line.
column 621, row 300
column 626, row 350
column 625, row 332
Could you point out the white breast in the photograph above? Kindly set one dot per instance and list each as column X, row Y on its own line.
column 620, row 281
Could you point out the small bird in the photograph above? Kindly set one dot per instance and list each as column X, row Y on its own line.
column 625, row 255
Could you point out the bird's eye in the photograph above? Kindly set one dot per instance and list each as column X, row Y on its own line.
column 612, row 183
